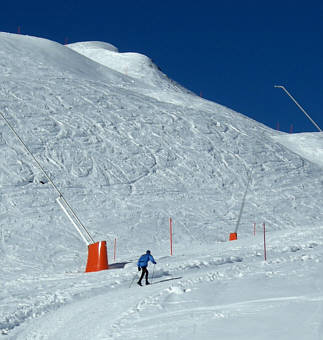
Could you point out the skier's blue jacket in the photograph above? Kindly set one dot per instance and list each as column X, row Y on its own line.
column 143, row 260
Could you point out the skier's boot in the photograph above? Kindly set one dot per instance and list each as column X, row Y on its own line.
column 147, row 283
column 139, row 283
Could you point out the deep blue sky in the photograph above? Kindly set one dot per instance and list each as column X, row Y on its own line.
column 231, row 52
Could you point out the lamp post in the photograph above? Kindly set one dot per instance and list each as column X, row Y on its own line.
column 300, row 107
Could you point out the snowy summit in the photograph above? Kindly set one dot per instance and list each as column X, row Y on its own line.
column 131, row 149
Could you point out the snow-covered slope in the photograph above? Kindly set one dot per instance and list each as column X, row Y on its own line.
column 134, row 65
column 307, row 145
column 129, row 149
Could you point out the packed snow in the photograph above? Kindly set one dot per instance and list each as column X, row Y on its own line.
column 129, row 149
column 308, row 145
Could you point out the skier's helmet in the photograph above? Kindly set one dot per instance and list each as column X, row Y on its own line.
column 148, row 252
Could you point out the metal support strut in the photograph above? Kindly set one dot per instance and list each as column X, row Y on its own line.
column 60, row 200
column 299, row 106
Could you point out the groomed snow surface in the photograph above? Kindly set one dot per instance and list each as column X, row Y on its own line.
column 130, row 148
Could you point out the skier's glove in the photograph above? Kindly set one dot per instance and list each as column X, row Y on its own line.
column 139, row 269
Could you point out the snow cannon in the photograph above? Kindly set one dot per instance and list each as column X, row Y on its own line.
column 233, row 236
column 97, row 251
column 97, row 257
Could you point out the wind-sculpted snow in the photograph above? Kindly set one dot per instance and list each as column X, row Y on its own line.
column 129, row 149
column 134, row 65
column 128, row 162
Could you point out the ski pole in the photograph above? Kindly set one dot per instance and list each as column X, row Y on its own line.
column 153, row 274
column 133, row 280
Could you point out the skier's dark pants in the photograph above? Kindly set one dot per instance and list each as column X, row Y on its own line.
column 143, row 272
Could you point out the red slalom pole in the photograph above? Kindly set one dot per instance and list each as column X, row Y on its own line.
column 171, row 235
column 265, row 252
column 114, row 249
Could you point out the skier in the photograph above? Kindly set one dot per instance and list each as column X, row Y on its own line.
column 142, row 264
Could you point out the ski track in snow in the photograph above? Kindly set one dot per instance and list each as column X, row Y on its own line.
column 206, row 271
column 159, row 303
column 129, row 148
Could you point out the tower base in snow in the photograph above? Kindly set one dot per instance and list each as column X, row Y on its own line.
column 97, row 257
column 233, row 236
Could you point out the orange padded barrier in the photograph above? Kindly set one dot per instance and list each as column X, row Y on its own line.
column 233, row 236
column 97, row 257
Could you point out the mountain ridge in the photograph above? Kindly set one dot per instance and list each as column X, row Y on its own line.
column 139, row 160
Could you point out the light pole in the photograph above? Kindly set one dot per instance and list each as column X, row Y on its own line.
column 294, row 100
